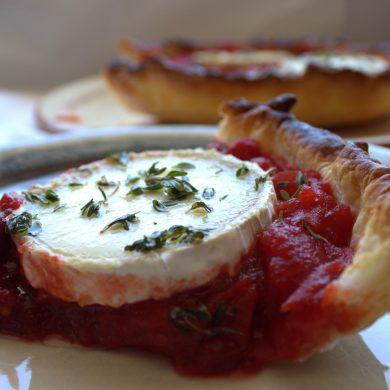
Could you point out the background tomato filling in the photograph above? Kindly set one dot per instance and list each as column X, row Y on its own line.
column 270, row 309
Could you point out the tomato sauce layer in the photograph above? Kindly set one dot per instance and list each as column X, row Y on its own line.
column 271, row 309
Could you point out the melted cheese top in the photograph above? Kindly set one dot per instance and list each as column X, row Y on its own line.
column 288, row 63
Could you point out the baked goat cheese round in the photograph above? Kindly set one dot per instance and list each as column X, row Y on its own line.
column 142, row 226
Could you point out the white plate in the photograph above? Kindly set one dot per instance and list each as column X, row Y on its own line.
column 85, row 104
column 359, row 362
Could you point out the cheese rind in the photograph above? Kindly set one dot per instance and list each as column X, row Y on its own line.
column 72, row 259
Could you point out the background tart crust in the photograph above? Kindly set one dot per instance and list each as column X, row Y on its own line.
column 363, row 289
column 146, row 79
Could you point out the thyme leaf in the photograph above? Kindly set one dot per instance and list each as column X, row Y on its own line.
column 44, row 199
column 242, row 171
column 163, row 206
column 159, row 239
column 51, row 196
column 159, row 206
column 152, row 186
column 85, row 171
column 201, row 321
column 300, row 180
column 76, row 184
column 182, row 318
column 103, row 182
column 116, row 189
column 263, row 178
column 312, row 233
column 23, row 223
column 123, row 222
column 259, row 181
column 103, row 194
column 184, row 166
column 173, row 187
column 91, row 209
column 177, row 188
column 218, row 314
column 138, row 190
column 58, row 207
column 176, row 173
column 135, row 190
column 170, row 202
column 120, row 159
column 153, row 170
column 285, row 195
column 201, row 205
column 131, row 180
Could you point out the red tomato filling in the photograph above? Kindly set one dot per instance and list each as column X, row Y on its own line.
column 270, row 309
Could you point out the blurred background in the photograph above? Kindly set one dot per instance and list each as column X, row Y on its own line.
column 48, row 42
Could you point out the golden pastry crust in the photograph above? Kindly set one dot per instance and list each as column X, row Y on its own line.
column 363, row 289
column 175, row 92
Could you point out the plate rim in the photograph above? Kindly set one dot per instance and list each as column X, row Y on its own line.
column 12, row 159
column 69, row 149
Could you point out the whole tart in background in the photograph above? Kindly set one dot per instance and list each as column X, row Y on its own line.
column 337, row 83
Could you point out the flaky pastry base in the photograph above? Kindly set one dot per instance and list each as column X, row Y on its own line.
column 363, row 289
column 192, row 94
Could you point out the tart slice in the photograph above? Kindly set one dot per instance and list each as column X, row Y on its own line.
column 337, row 83
column 269, row 247
column 361, row 292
